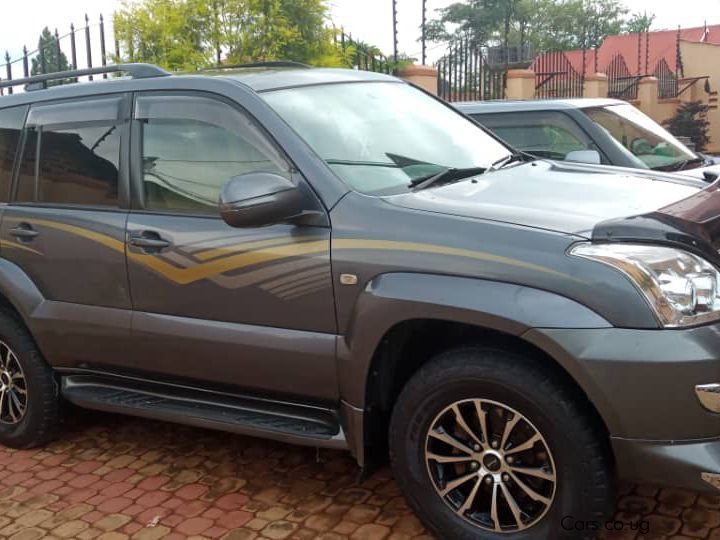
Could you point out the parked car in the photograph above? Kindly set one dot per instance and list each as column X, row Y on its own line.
column 607, row 131
column 336, row 259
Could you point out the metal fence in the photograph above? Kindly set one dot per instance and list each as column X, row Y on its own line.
column 667, row 80
column 464, row 74
column 362, row 56
column 60, row 45
column 555, row 76
column 621, row 83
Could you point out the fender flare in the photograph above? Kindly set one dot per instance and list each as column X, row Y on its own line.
column 394, row 298
column 20, row 291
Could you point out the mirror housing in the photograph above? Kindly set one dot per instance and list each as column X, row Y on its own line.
column 259, row 199
column 584, row 156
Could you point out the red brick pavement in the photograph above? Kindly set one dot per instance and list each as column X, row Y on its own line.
column 113, row 478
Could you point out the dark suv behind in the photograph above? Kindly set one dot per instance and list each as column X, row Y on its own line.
column 337, row 259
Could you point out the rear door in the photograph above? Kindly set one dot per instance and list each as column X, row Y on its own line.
column 249, row 307
column 65, row 228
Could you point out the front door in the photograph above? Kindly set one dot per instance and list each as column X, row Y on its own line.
column 249, row 308
column 65, row 228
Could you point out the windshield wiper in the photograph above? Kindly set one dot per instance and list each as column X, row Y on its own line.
column 448, row 175
column 680, row 165
column 507, row 160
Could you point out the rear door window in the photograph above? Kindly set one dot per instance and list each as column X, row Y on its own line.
column 72, row 154
column 11, row 124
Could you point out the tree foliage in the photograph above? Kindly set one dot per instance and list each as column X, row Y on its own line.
column 690, row 120
column 639, row 23
column 191, row 34
column 53, row 62
column 544, row 24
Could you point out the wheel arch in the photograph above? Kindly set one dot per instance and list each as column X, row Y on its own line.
column 402, row 320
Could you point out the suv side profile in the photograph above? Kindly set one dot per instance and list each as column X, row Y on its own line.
column 338, row 259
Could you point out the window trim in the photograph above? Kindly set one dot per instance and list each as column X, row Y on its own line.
column 123, row 123
column 137, row 192
column 19, row 145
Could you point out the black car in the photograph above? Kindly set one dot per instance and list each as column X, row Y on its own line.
column 602, row 131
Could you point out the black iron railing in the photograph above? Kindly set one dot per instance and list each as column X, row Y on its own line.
column 667, row 80
column 362, row 56
column 57, row 47
column 555, row 76
column 464, row 74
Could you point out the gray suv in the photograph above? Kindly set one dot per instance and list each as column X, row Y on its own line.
column 337, row 259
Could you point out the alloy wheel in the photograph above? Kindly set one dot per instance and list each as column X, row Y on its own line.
column 13, row 387
column 490, row 465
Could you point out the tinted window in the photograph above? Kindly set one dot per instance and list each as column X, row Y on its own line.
column 79, row 166
column 543, row 134
column 75, row 159
column 11, row 122
column 192, row 146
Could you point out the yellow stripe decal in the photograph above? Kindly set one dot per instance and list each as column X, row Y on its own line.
column 221, row 260
column 184, row 276
column 233, row 249
column 12, row 245
column 440, row 250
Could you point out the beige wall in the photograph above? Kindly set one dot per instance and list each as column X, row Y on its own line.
column 700, row 59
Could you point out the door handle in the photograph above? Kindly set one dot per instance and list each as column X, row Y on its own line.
column 24, row 232
column 149, row 240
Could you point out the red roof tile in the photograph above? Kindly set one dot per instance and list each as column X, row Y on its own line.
column 653, row 47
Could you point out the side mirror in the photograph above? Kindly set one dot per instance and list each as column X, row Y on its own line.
column 258, row 199
column 584, row 156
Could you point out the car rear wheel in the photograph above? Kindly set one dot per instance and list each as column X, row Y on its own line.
column 29, row 398
column 486, row 445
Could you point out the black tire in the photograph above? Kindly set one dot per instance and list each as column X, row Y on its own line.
column 583, row 486
column 41, row 419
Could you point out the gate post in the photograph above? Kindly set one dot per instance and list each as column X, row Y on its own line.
column 648, row 95
column 595, row 86
column 425, row 77
column 520, row 84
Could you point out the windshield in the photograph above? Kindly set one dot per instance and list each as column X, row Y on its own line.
column 641, row 136
column 378, row 137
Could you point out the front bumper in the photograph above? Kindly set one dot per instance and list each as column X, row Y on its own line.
column 690, row 465
column 644, row 384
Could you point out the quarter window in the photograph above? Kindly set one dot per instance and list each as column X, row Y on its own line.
column 11, row 123
column 191, row 146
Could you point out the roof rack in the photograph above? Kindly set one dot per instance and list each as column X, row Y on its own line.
column 136, row 71
column 271, row 64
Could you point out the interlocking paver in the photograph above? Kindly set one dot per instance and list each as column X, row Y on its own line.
column 118, row 478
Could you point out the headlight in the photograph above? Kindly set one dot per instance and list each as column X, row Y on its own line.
column 682, row 288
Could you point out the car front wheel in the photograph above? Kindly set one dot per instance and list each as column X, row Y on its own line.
column 485, row 444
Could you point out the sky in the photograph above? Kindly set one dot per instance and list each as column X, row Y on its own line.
column 368, row 20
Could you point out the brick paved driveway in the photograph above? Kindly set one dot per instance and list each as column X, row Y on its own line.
column 113, row 478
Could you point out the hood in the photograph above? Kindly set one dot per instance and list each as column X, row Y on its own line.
column 562, row 197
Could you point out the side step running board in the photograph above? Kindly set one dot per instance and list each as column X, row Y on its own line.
column 285, row 422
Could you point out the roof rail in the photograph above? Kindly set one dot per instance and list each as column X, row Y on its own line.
column 270, row 64
column 136, row 71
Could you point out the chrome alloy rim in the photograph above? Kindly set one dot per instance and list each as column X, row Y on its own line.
column 13, row 387
column 490, row 465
